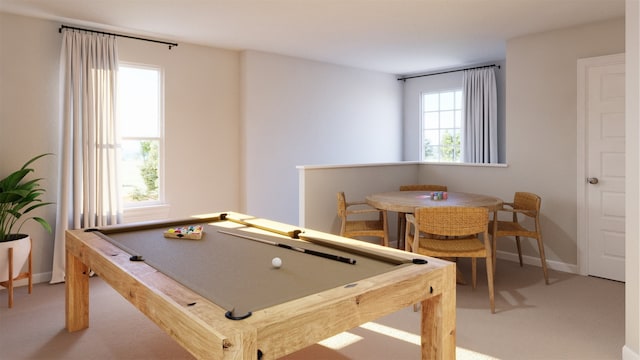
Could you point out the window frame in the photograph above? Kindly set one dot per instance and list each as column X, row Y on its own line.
column 422, row 124
column 137, row 207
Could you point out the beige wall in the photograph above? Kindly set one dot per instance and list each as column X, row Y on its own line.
column 541, row 120
column 320, row 184
column 202, row 123
column 298, row 112
column 202, row 117
column 29, row 52
column 541, row 113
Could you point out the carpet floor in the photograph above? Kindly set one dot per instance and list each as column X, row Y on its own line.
column 574, row 317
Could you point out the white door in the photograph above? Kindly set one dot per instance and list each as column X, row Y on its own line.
column 604, row 157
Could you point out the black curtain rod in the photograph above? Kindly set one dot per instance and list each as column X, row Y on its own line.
column 120, row 35
column 450, row 71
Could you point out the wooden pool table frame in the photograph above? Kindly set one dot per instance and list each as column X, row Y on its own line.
column 276, row 331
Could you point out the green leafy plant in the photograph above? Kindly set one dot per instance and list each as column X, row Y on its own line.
column 18, row 199
column 428, row 150
column 450, row 147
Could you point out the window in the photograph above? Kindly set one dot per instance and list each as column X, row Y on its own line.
column 140, row 127
column 441, row 126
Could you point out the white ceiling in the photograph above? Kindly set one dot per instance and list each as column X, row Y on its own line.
column 394, row 36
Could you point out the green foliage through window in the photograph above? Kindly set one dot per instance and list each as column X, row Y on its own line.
column 450, row 148
column 139, row 116
column 441, row 126
column 148, row 172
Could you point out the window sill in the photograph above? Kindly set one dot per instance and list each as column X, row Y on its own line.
column 501, row 165
column 145, row 213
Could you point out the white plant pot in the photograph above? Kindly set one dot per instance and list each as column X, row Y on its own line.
column 21, row 248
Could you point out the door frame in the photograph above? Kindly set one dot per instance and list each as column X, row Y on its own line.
column 581, row 133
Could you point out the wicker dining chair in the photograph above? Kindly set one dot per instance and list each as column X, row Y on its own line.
column 356, row 223
column 453, row 232
column 401, row 216
column 527, row 205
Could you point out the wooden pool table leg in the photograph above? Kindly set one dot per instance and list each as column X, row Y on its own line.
column 439, row 320
column 76, row 294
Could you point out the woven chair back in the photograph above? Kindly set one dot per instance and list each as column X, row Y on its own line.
column 526, row 201
column 452, row 221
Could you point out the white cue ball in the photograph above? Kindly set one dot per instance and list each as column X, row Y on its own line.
column 276, row 262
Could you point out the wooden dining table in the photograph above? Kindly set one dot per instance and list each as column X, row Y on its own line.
column 405, row 202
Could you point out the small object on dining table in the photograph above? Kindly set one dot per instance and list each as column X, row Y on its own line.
column 192, row 232
column 439, row 195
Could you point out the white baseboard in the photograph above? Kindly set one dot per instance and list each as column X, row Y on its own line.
column 532, row 260
column 628, row 354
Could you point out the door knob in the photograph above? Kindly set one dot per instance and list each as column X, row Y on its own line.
column 592, row 181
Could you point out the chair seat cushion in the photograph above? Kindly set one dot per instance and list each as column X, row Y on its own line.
column 369, row 225
column 468, row 247
column 511, row 228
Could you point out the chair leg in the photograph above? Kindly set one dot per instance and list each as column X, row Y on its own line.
column 401, row 224
column 385, row 238
column 519, row 249
column 543, row 260
column 494, row 240
column 490, row 284
column 474, row 262
column 460, row 277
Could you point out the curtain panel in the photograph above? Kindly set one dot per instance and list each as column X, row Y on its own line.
column 480, row 115
column 88, row 193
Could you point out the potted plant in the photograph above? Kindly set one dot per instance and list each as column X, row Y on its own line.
column 18, row 199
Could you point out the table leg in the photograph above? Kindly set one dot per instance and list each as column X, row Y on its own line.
column 439, row 320
column 76, row 294
column 400, row 231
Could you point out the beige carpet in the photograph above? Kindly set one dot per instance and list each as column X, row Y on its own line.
column 574, row 317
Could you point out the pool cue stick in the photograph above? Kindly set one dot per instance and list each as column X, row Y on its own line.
column 294, row 248
column 371, row 253
column 147, row 225
column 248, row 223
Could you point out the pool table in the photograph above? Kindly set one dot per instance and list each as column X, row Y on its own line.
column 221, row 297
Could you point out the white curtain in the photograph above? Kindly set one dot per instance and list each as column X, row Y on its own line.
column 480, row 116
column 88, row 194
